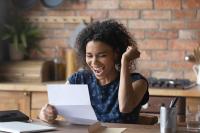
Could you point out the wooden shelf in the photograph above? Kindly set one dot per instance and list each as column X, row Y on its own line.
column 59, row 19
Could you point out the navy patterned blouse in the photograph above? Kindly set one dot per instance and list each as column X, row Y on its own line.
column 104, row 99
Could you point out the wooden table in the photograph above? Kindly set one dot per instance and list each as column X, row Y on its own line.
column 64, row 127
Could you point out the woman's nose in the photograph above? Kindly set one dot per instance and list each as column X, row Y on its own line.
column 94, row 60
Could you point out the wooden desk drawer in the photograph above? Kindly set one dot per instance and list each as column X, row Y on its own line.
column 39, row 99
column 11, row 100
column 155, row 103
column 193, row 104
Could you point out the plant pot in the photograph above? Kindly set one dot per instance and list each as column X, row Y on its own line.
column 15, row 55
column 1, row 53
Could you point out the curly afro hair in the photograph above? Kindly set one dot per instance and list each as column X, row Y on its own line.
column 109, row 32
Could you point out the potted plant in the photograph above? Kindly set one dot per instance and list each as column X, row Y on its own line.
column 22, row 36
column 195, row 57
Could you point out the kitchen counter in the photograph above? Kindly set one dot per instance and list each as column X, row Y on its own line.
column 30, row 97
column 33, row 87
column 22, row 87
column 41, row 87
column 191, row 92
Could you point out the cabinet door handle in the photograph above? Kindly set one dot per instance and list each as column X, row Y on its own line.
column 26, row 93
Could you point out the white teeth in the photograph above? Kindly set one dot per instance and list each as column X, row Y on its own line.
column 98, row 70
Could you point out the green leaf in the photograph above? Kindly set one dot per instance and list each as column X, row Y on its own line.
column 33, row 32
column 23, row 39
column 21, row 34
column 9, row 28
column 15, row 41
column 5, row 36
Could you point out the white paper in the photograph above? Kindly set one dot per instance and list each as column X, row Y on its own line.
column 72, row 102
column 113, row 130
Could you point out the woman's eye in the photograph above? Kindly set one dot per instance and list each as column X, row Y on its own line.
column 89, row 56
column 103, row 55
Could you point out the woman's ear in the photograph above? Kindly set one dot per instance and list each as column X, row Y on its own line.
column 117, row 60
column 116, row 55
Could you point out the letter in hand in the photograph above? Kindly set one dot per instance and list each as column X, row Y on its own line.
column 48, row 113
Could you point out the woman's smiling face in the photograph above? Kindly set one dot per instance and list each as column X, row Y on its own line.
column 100, row 58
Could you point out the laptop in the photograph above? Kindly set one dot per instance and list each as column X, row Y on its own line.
column 23, row 127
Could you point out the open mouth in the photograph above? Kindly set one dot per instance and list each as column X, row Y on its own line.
column 98, row 71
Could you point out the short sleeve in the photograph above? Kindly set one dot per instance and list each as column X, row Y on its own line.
column 80, row 77
column 137, row 76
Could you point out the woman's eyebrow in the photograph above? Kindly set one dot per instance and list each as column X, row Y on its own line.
column 104, row 52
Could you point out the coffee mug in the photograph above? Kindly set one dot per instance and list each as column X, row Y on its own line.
column 168, row 119
column 196, row 69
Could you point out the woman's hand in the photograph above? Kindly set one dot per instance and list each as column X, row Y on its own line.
column 130, row 54
column 48, row 113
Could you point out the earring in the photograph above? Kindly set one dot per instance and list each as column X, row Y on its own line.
column 117, row 67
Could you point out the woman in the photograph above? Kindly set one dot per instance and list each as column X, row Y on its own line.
column 116, row 94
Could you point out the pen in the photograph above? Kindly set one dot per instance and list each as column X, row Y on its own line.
column 173, row 102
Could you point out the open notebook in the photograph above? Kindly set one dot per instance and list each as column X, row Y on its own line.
column 23, row 127
column 72, row 102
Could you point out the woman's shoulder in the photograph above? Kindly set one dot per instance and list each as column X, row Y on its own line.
column 137, row 76
column 83, row 72
column 81, row 76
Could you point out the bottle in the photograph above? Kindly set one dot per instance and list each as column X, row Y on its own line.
column 59, row 64
column 72, row 64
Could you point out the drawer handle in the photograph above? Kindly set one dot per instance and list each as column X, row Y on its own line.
column 26, row 93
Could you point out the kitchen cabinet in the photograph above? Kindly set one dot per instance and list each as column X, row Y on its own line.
column 26, row 97
column 155, row 102
column 193, row 103
column 29, row 103
column 38, row 100
column 13, row 100
column 30, row 97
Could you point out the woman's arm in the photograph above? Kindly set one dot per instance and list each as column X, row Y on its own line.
column 130, row 93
